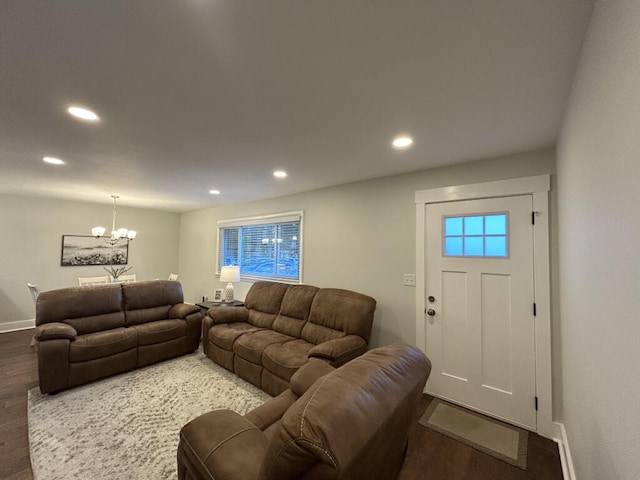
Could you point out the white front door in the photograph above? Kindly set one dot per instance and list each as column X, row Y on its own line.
column 479, row 282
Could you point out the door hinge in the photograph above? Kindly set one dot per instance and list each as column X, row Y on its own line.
column 536, row 404
column 534, row 309
column 533, row 218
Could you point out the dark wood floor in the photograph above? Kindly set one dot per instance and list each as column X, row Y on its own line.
column 18, row 374
column 433, row 456
column 430, row 455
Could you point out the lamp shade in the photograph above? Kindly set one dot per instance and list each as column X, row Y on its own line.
column 230, row 274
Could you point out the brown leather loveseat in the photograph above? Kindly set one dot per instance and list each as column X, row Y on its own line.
column 281, row 326
column 349, row 423
column 86, row 333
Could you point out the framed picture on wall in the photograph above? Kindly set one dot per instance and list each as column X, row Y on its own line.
column 81, row 250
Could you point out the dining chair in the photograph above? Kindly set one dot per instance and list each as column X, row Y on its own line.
column 125, row 278
column 85, row 281
column 173, row 276
column 34, row 290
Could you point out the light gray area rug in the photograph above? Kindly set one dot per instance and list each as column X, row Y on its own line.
column 127, row 426
column 498, row 439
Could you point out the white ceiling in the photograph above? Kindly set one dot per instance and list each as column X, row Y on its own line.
column 202, row 94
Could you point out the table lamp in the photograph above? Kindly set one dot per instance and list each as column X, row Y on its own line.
column 230, row 275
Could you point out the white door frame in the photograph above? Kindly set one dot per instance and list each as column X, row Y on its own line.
column 537, row 186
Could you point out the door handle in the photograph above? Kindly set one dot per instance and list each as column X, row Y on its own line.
column 431, row 312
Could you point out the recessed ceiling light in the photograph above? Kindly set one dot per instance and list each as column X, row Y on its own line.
column 53, row 160
column 214, row 192
column 280, row 174
column 83, row 113
column 402, row 141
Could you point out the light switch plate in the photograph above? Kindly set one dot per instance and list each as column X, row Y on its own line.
column 409, row 280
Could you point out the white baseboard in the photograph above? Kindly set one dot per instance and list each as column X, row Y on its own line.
column 568, row 472
column 18, row 325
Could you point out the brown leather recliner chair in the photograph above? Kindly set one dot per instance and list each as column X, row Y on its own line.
column 348, row 423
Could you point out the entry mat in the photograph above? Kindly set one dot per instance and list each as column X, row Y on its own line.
column 493, row 437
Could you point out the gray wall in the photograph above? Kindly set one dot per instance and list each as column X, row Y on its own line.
column 599, row 232
column 359, row 236
column 31, row 240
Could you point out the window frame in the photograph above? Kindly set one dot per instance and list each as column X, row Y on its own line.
column 268, row 219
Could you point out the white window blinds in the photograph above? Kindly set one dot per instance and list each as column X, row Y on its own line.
column 266, row 247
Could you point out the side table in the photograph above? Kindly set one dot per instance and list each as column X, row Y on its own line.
column 204, row 306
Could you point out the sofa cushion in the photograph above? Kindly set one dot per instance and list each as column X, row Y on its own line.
column 263, row 302
column 86, row 309
column 225, row 334
column 260, row 319
column 102, row 344
column 294, row 310
column 160, row 331
column 336, row 312
column 146, row 315
column 266, row 296
column 96, row 323
column 251, row 345
column 284, row 359
column 150, row 301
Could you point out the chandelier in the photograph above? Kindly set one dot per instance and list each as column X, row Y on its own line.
column 116, row 234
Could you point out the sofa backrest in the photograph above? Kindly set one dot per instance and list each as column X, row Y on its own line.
column 150, row 301
column 294, row 310
column 314, row 314
column 263, row 302
column 352, row 423
column 336, row 313
column 87, row 309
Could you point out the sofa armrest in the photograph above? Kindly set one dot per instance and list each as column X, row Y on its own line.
column 221, row 444
column 307, row 375
column 55, row 330
column 272, row 410
column 339, row 350
column 228, row 314
column 182, row 310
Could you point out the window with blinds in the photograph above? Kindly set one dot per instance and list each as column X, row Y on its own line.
column 265, row 248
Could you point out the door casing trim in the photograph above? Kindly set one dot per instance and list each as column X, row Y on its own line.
column 538, row 186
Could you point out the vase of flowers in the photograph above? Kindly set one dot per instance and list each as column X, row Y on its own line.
column 115, row 272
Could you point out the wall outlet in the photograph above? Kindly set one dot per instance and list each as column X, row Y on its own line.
column 409, row 280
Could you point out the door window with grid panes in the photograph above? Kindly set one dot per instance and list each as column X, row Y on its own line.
column 483, row 235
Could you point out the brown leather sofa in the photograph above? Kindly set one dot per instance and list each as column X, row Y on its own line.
column 281, row 326
column 349, row 423
column 86, row 333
